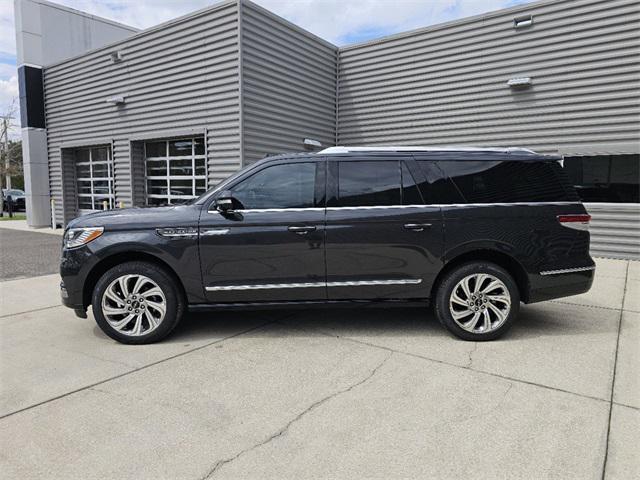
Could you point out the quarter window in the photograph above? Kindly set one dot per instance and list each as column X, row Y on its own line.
column 290, row 185
column 509, row 182
column 175, row 170
column 94, row 179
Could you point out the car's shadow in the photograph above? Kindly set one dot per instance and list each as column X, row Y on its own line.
column 533, row 322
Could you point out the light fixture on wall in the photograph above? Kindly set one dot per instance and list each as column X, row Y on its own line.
column 518, row 83
column 116, row 100
column 523, row 21
column 116, row 56
column 310, row 143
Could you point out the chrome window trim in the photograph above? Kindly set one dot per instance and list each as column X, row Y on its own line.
column 270, row 286
column 382, row 207
column 568, row 270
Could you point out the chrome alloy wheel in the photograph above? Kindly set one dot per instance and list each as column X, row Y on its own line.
column 134, row 305
column 480, row 303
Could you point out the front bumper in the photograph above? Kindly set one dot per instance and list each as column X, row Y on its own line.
column 566, row 282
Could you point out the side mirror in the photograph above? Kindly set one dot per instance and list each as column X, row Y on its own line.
column 225, row 203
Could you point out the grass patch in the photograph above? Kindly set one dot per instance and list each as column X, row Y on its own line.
column 16, row 216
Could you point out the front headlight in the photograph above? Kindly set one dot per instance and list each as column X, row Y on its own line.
column 76, row 237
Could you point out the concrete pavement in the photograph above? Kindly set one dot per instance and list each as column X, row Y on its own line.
column 324, row 393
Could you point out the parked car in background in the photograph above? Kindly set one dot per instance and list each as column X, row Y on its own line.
column 16, row 196
column 473, row 232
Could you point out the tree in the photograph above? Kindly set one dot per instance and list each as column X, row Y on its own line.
column 10, row 152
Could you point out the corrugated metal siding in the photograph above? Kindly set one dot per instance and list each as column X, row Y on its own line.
column 288, row 85
column 180, row 76
column 615, row 230
column 448, row 84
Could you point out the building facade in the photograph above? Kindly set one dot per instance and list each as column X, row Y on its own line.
column 158, row 116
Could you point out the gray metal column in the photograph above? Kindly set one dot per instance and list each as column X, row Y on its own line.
column 47, row 33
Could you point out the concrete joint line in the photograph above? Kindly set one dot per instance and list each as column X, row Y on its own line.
column 613, row 377
column 600, row 307
column 144, row 367
column 314, row 406
column 30, row 311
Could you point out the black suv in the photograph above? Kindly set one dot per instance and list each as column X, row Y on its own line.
column 473, row 231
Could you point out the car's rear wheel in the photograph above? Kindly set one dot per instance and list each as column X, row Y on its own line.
column 477, row 301
column 137, row 303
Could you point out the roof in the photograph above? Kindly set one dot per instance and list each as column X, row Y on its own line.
column 341, row 149
column 435, row 153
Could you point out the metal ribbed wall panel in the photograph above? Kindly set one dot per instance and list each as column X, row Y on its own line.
column 448, row 84
column 182, row 76
column 615, row 230
column 288, row 85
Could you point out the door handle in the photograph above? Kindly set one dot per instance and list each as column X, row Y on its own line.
column 417, row 227
column 302, row 230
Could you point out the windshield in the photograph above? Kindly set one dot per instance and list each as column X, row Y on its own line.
column 14, row 193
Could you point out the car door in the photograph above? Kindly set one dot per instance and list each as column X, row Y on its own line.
column 270, row 248
column 382, row 240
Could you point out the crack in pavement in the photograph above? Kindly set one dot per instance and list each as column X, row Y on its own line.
column 450, row 364
column 221, row 463
column 471, row 352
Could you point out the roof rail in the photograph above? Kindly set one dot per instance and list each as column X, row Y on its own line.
column 343, row 149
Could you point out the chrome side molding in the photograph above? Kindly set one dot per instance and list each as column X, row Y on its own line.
column 568, row 270
column 269, row 286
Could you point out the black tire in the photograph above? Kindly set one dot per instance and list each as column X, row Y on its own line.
column 452, row 280
column 174, row 301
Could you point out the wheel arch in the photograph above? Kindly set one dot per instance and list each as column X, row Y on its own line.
column 504, row 260
column 122, row 257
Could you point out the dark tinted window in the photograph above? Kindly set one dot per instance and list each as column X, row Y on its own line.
column 410, row 193
column 366, row 184
column 437, row 188
column 508, row 182
column 280, row 186
column 605, row 178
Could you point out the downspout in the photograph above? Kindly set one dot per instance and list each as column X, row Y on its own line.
column 240, row 5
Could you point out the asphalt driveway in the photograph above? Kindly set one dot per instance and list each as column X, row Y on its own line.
column 324, row 393
column 27, row 254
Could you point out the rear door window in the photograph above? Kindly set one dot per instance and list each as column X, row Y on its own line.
column 369, row 183
column 437, row 188
column 509, row 182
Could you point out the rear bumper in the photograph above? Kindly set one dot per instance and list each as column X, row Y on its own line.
column 560, row 283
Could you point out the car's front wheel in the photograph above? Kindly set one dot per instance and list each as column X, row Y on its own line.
column 477, row 301
column 137, row 303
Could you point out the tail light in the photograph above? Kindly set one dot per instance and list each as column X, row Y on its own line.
column 577, row 222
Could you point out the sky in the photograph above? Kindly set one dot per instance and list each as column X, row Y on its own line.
column 342, row 22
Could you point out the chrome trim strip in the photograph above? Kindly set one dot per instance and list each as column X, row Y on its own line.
column 411, row 281
column 269, row 286
column 568, row 270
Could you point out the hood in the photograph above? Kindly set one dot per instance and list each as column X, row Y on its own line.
column 139, row 218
